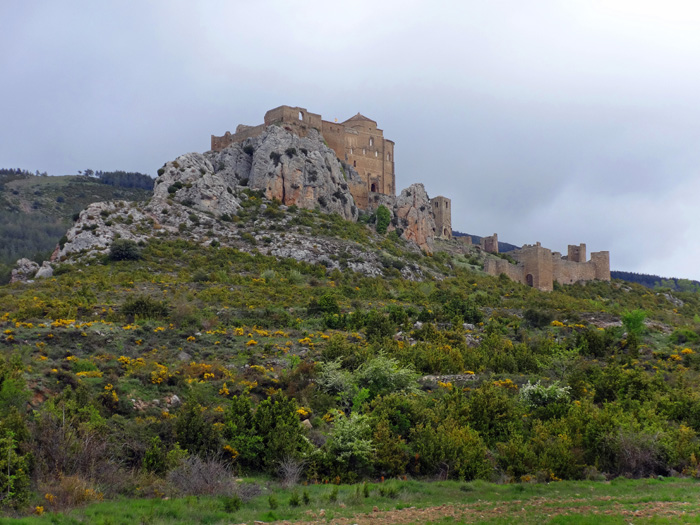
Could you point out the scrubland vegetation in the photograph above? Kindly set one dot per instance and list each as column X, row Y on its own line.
column 266, row 386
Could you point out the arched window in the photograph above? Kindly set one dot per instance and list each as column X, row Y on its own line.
column 371, row 141
column 376, row 154
column 364, row 151
column 373, row 188
column 301, row 116
column 350, row 151
column 388, row 156
column 354, row 163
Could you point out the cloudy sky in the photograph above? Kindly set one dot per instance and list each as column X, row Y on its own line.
column 560, row 121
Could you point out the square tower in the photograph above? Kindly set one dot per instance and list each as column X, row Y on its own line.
column 442, row 212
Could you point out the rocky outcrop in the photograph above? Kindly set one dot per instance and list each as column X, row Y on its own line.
column 103, row 222
column 414, row 216
column 199, row 197
column 26, row 269
column 190, row 179
column 295, row 170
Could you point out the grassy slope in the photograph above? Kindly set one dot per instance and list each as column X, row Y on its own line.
column 220, row 299
column 616, row 502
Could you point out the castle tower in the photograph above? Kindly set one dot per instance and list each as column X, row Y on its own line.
column 442, row 212
column 577, row 253
column 490, row 244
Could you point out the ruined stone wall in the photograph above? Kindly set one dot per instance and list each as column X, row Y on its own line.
column 539, row 267
column 496, row 267
column 570, row 272
column 442, row 210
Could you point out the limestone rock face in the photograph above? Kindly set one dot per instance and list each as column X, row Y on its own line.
column 414, row 216
column 98, row 225
column 26, row 269
column 295, row 170
column 190, row 180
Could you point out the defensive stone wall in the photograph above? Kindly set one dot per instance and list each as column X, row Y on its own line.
column 357, row 141
column 540, row 268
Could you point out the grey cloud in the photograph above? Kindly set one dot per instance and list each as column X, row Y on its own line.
column 556, row 121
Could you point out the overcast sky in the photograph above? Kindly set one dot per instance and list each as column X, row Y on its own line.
column 555, row 121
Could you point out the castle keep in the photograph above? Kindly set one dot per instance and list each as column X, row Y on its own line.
column 539, row 267
column 358, row 142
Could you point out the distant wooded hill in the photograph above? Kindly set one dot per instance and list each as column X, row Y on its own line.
column 654, row 281
column 36, row 209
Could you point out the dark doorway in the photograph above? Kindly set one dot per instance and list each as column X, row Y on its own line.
column 529, row 280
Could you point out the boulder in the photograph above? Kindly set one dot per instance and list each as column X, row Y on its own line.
column 24, row 271
column 414, row 216
column 45, row 272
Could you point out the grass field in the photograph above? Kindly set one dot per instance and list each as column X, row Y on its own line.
column 619, row 501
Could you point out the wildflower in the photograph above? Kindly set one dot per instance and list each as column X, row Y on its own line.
column 231, row 450
column 252, row 342
column 89, row 373
column 687, row 351
column 39, row 510
column 191, row 338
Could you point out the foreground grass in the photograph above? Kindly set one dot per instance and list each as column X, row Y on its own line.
column 619, row 501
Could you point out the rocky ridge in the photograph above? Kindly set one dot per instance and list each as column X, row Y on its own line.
column 200, row 196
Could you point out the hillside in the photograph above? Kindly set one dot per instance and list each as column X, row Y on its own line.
column 35, row 211
column 215, row 332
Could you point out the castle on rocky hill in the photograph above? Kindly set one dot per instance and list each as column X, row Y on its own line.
column 360, row 145
column 358, row 142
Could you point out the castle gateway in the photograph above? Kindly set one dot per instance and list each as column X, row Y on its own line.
column 358, row 142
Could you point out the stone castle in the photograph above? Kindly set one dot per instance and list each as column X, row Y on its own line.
column 359, row 144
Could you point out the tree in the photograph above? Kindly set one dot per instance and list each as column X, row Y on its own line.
column 383, row 219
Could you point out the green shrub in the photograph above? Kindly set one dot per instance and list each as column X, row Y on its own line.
column 383, row 219
column 144, row 307
column 124, row 250
column 231, row 504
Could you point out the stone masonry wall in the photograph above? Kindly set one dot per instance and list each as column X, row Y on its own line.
column 540, row 268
